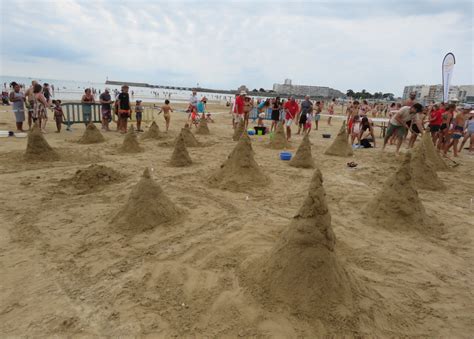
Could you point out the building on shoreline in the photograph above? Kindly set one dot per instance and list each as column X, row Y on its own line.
column 428, row 93
column 300, row 90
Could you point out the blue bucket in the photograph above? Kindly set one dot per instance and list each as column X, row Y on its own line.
column 250, row 132
column 285, row 156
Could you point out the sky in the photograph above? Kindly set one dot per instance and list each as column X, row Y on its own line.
column 371, row 45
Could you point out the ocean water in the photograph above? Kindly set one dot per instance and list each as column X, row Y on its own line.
column 73, row 90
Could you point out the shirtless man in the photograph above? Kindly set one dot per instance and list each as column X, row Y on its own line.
column 456, row 132
column 166, row 109
column 446, row 118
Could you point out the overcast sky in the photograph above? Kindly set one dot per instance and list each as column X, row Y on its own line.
column 372, row 45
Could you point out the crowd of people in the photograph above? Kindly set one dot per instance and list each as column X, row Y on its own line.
column 451, row 127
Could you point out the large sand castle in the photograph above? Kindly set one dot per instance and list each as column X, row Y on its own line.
column 424, row 173
column 130, row 142
column 303, row 157
column 91, row 135
column 340, row 146
column 203, row 128
column 238, row 130
column 278, row 141
column 37, row 148
column 180, row 156
column 240, row 172
column 153, row 132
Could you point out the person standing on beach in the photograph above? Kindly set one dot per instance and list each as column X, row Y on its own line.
column 332, row 104
column 18, row 99
column 276, row 106
column 139, row 114
column 166, row 109
column 291, row 111
column 411, row 100
column 30, row 102
column 398, row 124
column 248, row 107
column 193, row 101
column 306, row 109
column 123, row 109
column 47, row 92
column 106, row 108
column 317, row 114
column 239, row 107
column 87, row 101
column 40, row 107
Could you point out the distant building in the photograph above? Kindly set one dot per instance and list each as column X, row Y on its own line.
column 429, row 93
column 315, row 91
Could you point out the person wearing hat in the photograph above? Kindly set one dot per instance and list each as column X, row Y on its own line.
column 106, row 108
column 139, row 112
column 123, row 109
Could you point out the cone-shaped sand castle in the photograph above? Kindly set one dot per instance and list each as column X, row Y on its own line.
column 397, row 205
column 147, row 207
column 303, row 157
column 302, row 270
column 153, row 132
column 130, row 143
column 239, row 130
column 91, row 135
column 340, row 146
column 279, row 138
column 432, row 156
column 203, row 128
column 180, row 156
column 240, row 172
column 424, row 173
column 189, row 138
column 37, row 148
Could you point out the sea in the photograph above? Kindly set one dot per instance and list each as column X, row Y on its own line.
column 71, row 90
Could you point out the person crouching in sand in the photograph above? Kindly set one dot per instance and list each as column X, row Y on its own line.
column 398, row 124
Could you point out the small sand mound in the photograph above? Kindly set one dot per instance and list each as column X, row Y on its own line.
column 240, row 172
column 37, row 148
column 130, row 143
column 153, row 132
column 91, row 135
column 92, row 177
column 303, row 157
column 302, row 270
column 397, row 205
column 340, row 146
column 180, row 156
column 279, row 138
column 147, row 207
column 239, row 130
column 432, row 155
column 202, row 127
column 189, row 138
column 424, row 174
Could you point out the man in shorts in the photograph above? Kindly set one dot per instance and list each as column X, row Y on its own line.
column 123, row 109
column 398, row 124
column 106, row 108
column 291, row 111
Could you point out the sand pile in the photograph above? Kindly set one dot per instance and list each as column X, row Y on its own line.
column 279, row 138
column 91, row 135
column 239, row 130
column 302, row 270
column 92, row 177
column 340, row 145
column 303, row 157
column 189, row 138
column 397, row 205
column 130, row 143
column 432, row 155
column 153, row 132
column 202, row 127
column 240, row 172
column 147, row 207
column 37, row 148
column 180, row 156
column 424, row 174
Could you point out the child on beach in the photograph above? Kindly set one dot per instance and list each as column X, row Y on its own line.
column 355, row 130
column 58, row 114
column 308, row 123
column 166, row 109
column 139, row 114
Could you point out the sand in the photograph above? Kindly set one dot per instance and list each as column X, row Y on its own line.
column 37, row 148
column 91, row 135
column 147, row 207
column 189, row 138
column 303, row 271
column 180, row 156
column 203, row 128
column 432, row 155
column 340, row 147
column 130, row 142
column 424, row 173
column 240, row 172
column 303, row 157
column 239, row 130
column 279, row 138
column 67, row 271
column 153, row 132
column 92, row 178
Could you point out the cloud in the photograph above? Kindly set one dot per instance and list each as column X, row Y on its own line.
column 378, row 46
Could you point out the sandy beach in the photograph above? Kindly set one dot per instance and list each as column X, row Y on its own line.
column 68, row 270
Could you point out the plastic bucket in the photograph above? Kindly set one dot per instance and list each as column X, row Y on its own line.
column 285, row 156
